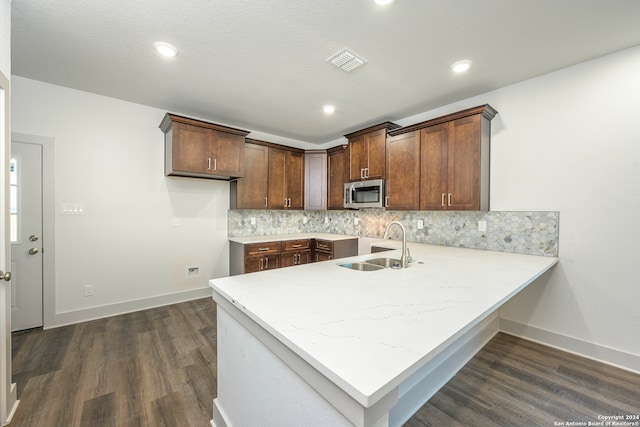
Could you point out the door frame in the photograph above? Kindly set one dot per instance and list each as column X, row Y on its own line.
column 48, row 223
column 8, row 390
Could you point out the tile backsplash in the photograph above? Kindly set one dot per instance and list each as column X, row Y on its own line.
column 527, row 232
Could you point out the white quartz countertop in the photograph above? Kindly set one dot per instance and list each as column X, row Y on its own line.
column 294, row 236
column 367, row 331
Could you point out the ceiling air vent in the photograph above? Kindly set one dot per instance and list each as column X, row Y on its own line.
column 346, row 60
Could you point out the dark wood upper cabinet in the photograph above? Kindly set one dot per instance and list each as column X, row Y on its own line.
column 367, row 152
column 274, row 178
column 402, row 185
column 337, row 170
column 251, row 191
column 454, row 159
column 201, row 149
column 433, row 165
column 286, row 179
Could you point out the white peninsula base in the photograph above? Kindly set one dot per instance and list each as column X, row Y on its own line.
column 282, row 389
column 321, row 345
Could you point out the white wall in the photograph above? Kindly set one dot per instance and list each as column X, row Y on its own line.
column 110, row 156
column 570, row 141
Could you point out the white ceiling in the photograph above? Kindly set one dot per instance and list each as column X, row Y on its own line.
column 261, row 65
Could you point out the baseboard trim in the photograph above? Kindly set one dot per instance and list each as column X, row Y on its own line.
column 93, row 313
column 609, row 356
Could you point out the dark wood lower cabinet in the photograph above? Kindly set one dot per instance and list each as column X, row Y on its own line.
column 295, row 252
column 254, row 257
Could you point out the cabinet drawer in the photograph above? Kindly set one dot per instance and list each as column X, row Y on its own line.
column 296, row 245
column 324, row 246
column 256, row 249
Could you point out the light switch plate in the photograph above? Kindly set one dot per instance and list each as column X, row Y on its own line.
column 420, row 224
column 72, row 209
column 482, row 225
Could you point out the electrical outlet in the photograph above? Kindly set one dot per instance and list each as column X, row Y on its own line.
column 88, row 290
column 304, row 219
column 356, row 221
column 326, row 220
column 253, row 220
column 192, row 271
column 420, row 224
column 482, row 225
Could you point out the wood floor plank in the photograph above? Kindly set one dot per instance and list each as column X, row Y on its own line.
column 158, row 367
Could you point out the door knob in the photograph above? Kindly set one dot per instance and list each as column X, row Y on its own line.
column 33, row 238
column 33, row 251
column 5, row 276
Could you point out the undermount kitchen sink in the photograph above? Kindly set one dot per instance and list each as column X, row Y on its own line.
column 385, row 262
column 373, row 264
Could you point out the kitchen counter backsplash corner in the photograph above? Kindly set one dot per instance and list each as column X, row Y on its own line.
column 526, row 232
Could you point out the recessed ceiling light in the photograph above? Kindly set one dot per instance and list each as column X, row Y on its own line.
column 461, row 66
column 383, row 2
column 329, row 109
column 166, row 49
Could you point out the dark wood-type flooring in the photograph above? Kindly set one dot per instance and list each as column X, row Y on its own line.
column 158, row 368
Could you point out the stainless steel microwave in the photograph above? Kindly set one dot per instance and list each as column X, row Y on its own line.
column 364, row 194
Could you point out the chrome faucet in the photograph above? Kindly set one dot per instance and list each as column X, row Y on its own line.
column 404, row 259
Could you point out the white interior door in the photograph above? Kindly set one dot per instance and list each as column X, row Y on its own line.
column 25, row 179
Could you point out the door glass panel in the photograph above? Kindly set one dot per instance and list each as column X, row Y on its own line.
column 13, row 199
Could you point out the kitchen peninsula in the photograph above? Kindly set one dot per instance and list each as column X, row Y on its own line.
column 320, row 344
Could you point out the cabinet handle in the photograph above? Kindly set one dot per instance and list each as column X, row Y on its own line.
column 266, row 263
column 263, row 249
column 265, row 202
column 366, row 172
column 449, row 199
column 261, row 264
column 386, row 202
column 285, row 202
column 288, row 203
column 442, row 199
column 362, row 173
column 215, row 164
column 209, row 163
column 299, row 245
column 330, row 257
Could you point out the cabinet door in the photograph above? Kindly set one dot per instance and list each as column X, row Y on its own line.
column 323, row 256
column 252, row 188
column 277, row 190
column 227, row 154
column 267, row 262
column 315, row 180
column 375, row 143
column 191, row 150
column 337, row 176
column 433, row 167
column 463, row 164
column 357, row 158
column 295, row 258
column 295, row 180
column 402, row 186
